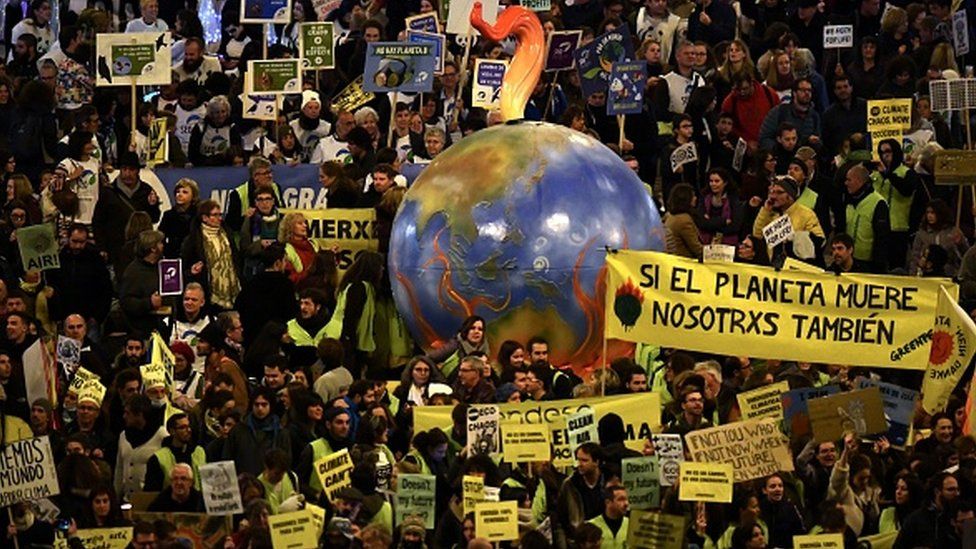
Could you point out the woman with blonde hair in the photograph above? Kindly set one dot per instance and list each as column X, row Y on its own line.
column 737, row 59
column 19, row 188
column 299, row 249
column 943, row 59
column 779, row 74
column 176, row 221
column 894, row 33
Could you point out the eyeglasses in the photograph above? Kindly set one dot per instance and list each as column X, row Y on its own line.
column 264, row 198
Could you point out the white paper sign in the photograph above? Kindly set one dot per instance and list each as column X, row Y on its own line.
column 719, row 253
column 28, row 471
column 459, row 13
column 838, row 36
column 739, row 155
column 683, row 155
column 778, row 231
column 484, row 434
column 221, row 493
column 960, row 32
column 581, row 428
column 670, row 453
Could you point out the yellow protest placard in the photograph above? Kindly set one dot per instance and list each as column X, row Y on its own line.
column 333, row 471
column 710, row 482
column 293, row 530
column 153, row 375
column 791, row 264
column 522, row 442
column 763, row 402
column 889, row 113
column 350, row 230
column 496, row 521
column 164, row 357
column 472, row 491
column 880, row 134
column 158, row 147
column 352, row 96
column 819, row 541
column 753, row 448
column 854, row 319
column 640, row 412
column 954, row 342
column 105, row 538
column 649, row 530
column 82, row 376
column 318, row 518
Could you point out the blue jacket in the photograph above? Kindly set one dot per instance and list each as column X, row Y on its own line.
column 806, row 126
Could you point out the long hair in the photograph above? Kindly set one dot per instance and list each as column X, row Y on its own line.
column 368, row 267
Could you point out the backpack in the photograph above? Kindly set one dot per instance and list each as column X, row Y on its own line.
column 27, row 140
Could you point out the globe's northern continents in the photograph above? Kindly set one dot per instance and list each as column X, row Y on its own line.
column 512, row 223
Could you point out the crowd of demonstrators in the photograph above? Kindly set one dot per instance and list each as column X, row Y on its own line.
column 282, row 359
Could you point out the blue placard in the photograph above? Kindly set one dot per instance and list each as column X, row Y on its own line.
column 899, row 408
column 438, row 41
column 265, row 11
column 625, row 93
column 796, row 413
column 594, row 60
column 399, row 66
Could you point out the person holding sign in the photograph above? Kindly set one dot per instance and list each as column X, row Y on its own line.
column 676, row 165
column 896, row 183
column 722, row 213
column 782, row 201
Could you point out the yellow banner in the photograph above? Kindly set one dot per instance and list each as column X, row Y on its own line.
column 858, row 320
column 333, row 471
column 709, row 482
column 763, row 402
column 640, row 412
column 162, row 356
column 496, row 521
column 753, row 448
column 293, row 530
column 953, row 345
column 350, row 230
column 819, row 541
column 523, row 442
column 655, row 530
column 105, row 538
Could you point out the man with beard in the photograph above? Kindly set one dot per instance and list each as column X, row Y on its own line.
column 334, row 147
column 196, row 66
column 37, row 25
column 189, row 112
column 82, row 285
column 178, row 447
column 309, row 129
column 76, row 87
column 137, row 443
column 308, row 328
column 24, row 64
column 337, row 421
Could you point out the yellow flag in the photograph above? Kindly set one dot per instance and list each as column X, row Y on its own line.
column 953, row 344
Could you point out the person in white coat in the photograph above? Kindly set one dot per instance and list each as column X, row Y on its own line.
column 138, row 442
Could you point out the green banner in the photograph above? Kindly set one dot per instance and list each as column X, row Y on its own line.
column 317, row 42
column 131, row 59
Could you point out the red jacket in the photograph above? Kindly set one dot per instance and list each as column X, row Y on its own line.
column 748, row 114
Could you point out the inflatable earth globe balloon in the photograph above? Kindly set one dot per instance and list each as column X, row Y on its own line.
column 513, row 224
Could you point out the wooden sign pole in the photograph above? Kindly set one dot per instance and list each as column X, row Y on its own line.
column 552, row 91
column 468, row 39
column 389, row 131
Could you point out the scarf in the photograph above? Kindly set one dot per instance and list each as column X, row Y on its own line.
column 224, row 284
column 270, row 425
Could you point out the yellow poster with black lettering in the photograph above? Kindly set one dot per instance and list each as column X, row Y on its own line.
column 640, row 412
column 293, row 530
column 472, row 492
column 650, row 530
column 853, row 319
column 333, row 471
column 819, row 541
column 708, row 482
column 763, row 402
column 105, row 538
column 524, row 442
column 496, row 521
column 351, row 231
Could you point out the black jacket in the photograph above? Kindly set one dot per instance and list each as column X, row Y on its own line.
column 81, row 285
column 112, row 212
column 139, row 282
column 192, row 251
column 269, row 296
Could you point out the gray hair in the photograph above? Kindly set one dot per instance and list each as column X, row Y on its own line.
column 219, row 103
column 364, row 113
column 148, row 240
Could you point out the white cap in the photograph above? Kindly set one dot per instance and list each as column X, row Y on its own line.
column 310, row 95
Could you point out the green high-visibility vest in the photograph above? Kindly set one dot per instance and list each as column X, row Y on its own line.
column 899, row 205
column 302, row 338
column 320, row 449
column 808, row 198
column 167, row 461
column 608, row 540
column 859, row 225
column 364, row 330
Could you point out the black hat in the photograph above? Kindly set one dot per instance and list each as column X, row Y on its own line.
column 129, row 159
column 788, row 185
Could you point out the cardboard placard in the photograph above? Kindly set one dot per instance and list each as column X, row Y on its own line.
column 626, row 89
column 764, row 402
column 436, row 40
column 525, row 442
column 415, row 498
column 707, row 482
column 293, row 530
column 779, row 231
column 472, row 491
column 960, row 33
column 670, row 452
column 484, row 431
column 81, row 377
column 425, row 22
column 221, row 493
column 141, row 58
column 860, row 412
column 753, row 448
column 258, row 106
column 739, row 154
column 486, row 89
column 38, row 247
column 819, row 541
column 683, row 155
column 317, row 45
column 889, row 113
column 158, row 148
column 899, row 406
column 721, row 253
column 648, row 530
column 561, row 50
column 496, row 521
column 333, row 471
column 796, row 413
column 399, row 67
column 582, row 429
column 105, row 538
column 28, row 471
column 838, row 36
column 641, row 476
column 274, row 77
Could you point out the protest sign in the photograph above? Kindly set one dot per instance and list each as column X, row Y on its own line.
column 854, row 319
column 722, row 253
column 159, row 353
column 257, row 106
column 399, row 67
column 795, row 411
column 754, row 448
column 105, row 538
column 955, row 167
column 525, row 442
column 626, row 89
column 537, row 5
column 899, row 407
column 316, row 43
column 205, row 530
column 333, row 471
column 265, row 11
column 484, row 434
column 562, row 454
column 648, row 530
column 352, row 96
column 792, row 264
column 153, row 375
column 882, row 134
column 92, row 391
column 960, row 33
column 888, row 113
column 708, row 482
column 496, row 521
column 415, row 498
column 158, row 147
column 80, row 378
column 38, row 247
column 594, row 60
column 778, row 232
column 124, row 59
column 953, row 344
column 170, row 276
column 684, row 154
column 561, row 50
column 739, row 154
column 278, row 76
column 640, row 412
column 819, row 541
column 641, row 476
column 28, row 471
column 221, row 493
column 670, row 452
column 459, row 14
column 436, row 40
column 350, row 231
column 293, row 530
column 425, row 22
column 581, row 428
column 472, row 491
column 318, row 518
column 68, row 353
column 860, row 412
column 763, row 402
column 486, row 90
column 838, row 36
